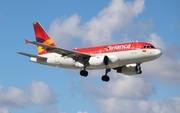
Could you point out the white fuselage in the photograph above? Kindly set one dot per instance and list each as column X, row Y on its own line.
column 116, row 59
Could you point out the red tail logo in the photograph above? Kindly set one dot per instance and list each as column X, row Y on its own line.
column 42, row 37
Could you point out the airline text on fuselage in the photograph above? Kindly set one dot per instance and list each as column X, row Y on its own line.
column 112, row 48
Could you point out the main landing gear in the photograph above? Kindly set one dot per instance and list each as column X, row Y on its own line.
column 138, row 69
column 84, row 73
column 104, row 78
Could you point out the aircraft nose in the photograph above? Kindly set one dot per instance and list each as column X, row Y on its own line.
column 157, row 53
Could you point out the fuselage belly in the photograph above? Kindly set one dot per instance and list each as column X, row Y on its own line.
column 125, row 57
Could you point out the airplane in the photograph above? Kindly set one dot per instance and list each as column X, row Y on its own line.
column 125, row 58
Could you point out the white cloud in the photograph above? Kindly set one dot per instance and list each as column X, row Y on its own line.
column 13, row 97
column 126, row 87
column 42, row 94
column 156, row 41
column 122, row 87
column 128, row 94
column 118, row 105
column 4, row 110
column 99, row 29
column 167, row 67
column 62, row 31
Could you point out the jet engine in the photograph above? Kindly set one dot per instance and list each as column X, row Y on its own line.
column 130, row 69
column 103, row 60
column 99, row 60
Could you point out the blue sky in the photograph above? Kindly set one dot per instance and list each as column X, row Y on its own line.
column 32, row 88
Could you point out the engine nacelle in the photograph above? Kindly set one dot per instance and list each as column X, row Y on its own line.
column 98, row 60
column 130, row 69
column 103, row 60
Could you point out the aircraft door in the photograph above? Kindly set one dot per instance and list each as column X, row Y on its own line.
column 134, row 48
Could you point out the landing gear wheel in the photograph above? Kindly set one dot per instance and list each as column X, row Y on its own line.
column 138, row 69
column 105, row 78
column 84, row 73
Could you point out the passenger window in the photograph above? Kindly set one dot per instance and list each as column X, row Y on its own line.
column 145, row 47
column 148, row 46
column 152, row 47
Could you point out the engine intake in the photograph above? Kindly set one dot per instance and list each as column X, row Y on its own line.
column 106, row 60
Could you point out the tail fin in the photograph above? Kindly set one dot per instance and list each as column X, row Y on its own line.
column 42, row 37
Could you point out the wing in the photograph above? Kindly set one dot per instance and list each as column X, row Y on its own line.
column 77, row 56
column 31, row 55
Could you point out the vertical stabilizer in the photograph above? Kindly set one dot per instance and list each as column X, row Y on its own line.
column 42, row 37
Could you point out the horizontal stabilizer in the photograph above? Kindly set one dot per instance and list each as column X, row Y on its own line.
column 31, row 55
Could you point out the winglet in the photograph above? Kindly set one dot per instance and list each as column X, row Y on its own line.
column 26, row 41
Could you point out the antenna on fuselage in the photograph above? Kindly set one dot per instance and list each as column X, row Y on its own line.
column 136, row 44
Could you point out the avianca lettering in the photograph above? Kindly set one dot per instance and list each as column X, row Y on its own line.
column 118, row 47
column 112, row 49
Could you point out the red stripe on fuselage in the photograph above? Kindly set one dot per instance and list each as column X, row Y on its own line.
column 114, row 48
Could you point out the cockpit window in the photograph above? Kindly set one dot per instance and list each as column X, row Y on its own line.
column 149, row 46
column 152, row 47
